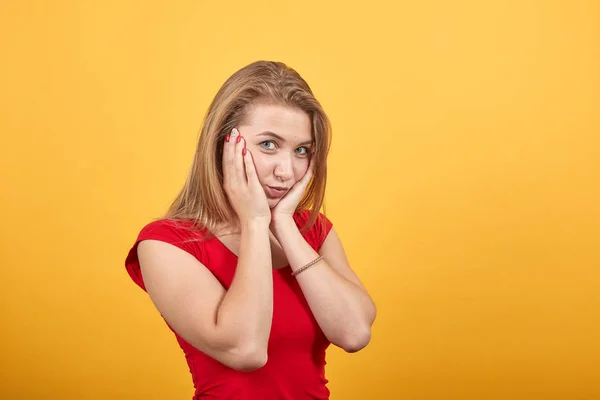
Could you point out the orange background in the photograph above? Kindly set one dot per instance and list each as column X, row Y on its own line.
column 465, row 180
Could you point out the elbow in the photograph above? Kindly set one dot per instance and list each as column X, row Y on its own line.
column 357, row 341
column 250, row 362
column 358, row 338
column 249, row 359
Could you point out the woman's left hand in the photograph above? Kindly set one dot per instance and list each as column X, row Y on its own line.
column 287, row 205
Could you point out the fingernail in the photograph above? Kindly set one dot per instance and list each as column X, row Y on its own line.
column 238, row 139
column 244, row 151
column 227, row 137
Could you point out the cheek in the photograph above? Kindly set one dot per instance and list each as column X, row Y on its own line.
column 261, row 168
column 300, row 168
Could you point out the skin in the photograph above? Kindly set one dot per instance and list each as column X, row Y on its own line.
column 337, row 298
column 280, row 141
column 233, row 325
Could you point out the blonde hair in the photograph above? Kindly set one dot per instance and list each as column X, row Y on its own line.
column 202, row 198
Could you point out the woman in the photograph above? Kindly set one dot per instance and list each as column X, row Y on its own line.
column 246, row 271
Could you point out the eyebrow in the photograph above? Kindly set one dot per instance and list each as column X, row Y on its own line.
column 276, row 136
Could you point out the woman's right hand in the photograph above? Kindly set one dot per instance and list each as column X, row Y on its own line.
column 241, row 183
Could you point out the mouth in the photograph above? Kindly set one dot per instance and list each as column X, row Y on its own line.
column 276, row 192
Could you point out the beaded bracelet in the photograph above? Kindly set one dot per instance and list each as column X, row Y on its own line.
column 304, row 268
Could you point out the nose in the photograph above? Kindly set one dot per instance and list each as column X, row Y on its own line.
column 284, row 169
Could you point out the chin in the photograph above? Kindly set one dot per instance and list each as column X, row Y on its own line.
column 273, row 202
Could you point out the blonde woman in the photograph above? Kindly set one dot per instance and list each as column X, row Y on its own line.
column 245, row 269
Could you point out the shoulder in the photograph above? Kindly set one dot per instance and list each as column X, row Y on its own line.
column 183, row 234
column 318, row 231
column 171, row 230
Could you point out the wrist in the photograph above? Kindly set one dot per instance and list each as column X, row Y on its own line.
column 281, row 220
column 255, row 224
column 283, row 227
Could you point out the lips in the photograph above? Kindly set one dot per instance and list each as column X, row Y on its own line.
column 276, row 192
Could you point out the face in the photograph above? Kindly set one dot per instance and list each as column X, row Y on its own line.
column 280, row 141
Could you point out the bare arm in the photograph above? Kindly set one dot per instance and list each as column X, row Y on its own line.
column 230, row 326
column 337, row 299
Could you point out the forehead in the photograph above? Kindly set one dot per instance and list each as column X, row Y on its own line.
column 290, row 123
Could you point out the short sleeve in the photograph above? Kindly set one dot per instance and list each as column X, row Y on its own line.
column 324, row 227
column 176, row 233
column 317, row 234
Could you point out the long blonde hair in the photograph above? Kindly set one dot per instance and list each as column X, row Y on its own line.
column 202, row 199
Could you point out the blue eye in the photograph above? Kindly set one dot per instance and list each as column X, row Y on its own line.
column 302, row 150
column 266, row 143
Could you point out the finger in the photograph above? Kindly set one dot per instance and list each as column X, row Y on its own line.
column 308, row 174
column 240, row 144
column 302, row 184
column 311, row 166
column 228, row 149
column 250, row 168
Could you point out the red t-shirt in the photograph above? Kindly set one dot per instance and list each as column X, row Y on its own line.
column 295, row 369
